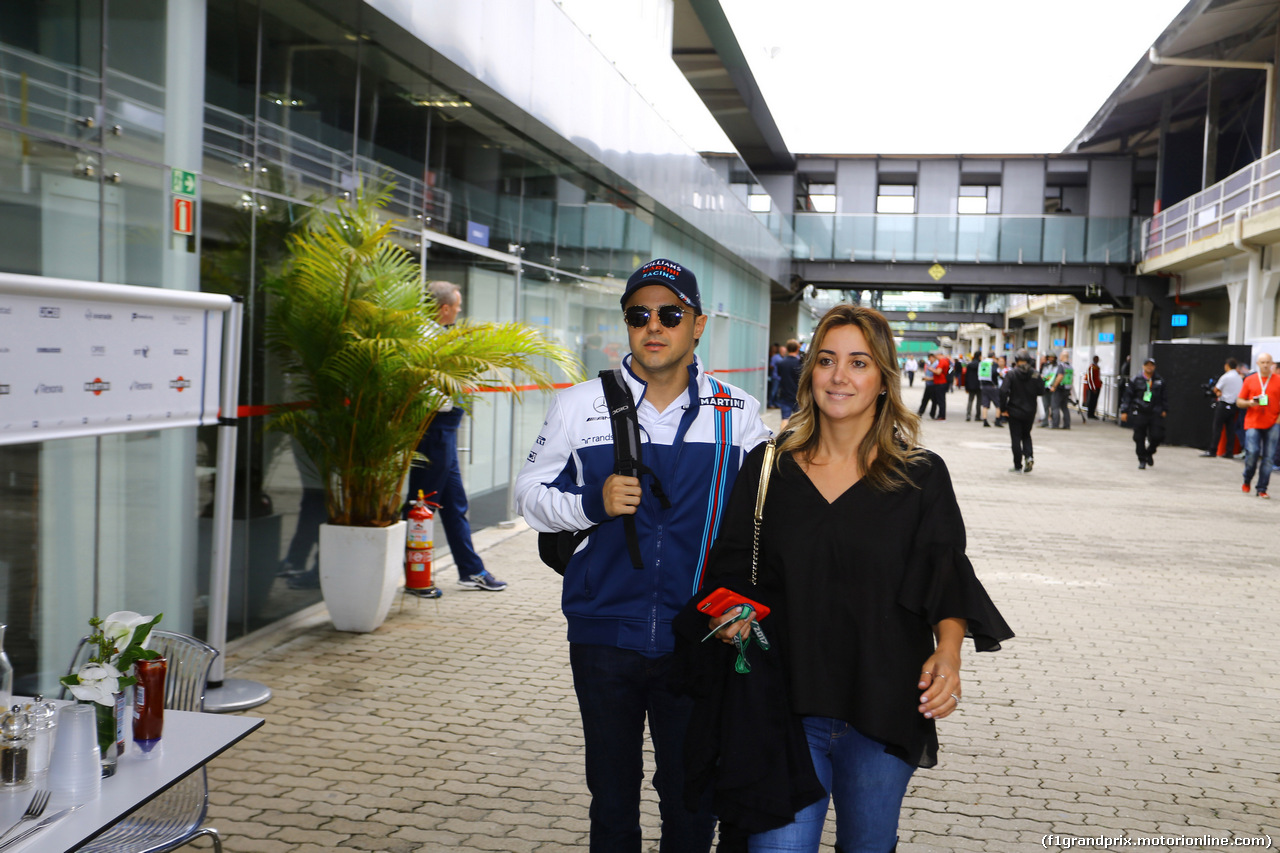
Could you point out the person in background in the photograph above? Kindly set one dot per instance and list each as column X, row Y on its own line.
column 941, row 380
column 1226, row 390
column 1018, row 395
column 1245, row 372
column 989, row 387
column 1144, row 406
column 1002, row 370
column 441, row 473
column 788, row 381
column 927, row 396
column 1048, row 372
column 697, row 430
column 862, row 547
column 1260, row 399
column 1092, row 389
column 911, row 366
column 973, row 385
column 776, row 352
column 1060, row 391
column 593, row 356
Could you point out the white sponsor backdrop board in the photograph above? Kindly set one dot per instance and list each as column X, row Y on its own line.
column 84, row 358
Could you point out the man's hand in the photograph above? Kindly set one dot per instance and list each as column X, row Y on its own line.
column 1124, row 416
column 621, row 495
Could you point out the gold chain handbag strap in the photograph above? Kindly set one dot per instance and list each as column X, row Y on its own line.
column 765, row 469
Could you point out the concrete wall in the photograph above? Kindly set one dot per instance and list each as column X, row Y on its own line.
column 856, row 186
column 1110, row 187
column 782, row 189
column 1023, row 187
column 788, row 320
column 938, row 186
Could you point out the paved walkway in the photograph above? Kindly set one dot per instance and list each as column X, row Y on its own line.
column 1139, row 699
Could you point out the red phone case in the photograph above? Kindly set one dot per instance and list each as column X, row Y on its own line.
column 721, row 600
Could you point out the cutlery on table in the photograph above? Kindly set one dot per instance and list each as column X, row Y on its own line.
column 35, row 808
column 39, row 826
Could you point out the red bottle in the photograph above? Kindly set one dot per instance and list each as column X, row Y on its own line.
column 148, row 702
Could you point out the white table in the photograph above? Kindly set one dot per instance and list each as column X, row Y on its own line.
column 189, row 742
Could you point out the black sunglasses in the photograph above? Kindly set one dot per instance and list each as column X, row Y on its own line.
column 637, row 316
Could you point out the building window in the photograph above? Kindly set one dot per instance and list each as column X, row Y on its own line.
column 979, row 199
column 759, row 202
column 1064, row 199
column 822, row 198
column 896, row 198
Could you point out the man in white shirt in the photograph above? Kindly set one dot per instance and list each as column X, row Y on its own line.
column 1226, row 390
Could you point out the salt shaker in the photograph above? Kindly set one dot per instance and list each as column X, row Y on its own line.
column 44, row 717
column 15, row 749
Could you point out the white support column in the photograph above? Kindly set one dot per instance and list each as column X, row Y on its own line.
column 1268, row 287
column 1235, row 314
column 1253, row 297
column 1044, row 345
column 1141, row 347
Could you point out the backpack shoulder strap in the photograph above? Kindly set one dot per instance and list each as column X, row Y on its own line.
column 626, row 450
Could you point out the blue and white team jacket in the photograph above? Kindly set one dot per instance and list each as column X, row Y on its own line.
column 695, row 447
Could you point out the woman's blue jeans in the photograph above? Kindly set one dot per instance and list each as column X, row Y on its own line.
column 867, row 784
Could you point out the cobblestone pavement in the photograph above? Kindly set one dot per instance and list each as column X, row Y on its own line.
column 1138, row 700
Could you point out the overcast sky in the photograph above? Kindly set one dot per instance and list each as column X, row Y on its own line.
column 941, row 76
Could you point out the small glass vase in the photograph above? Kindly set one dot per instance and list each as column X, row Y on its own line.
column 110, row 720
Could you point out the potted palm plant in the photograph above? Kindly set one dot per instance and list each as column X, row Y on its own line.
column 357, row 339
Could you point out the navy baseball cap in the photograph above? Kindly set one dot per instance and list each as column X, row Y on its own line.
column 675, row 277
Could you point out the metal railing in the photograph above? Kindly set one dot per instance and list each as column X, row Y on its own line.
column 1250, row 191
column 45, row 95
column 59, row 99
column 306, row 167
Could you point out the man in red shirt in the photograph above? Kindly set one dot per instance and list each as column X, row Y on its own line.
column 1093, row 388
column 941, row 379
column 1260, row 399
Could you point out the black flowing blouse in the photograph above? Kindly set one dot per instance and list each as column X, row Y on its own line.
column 863, row 580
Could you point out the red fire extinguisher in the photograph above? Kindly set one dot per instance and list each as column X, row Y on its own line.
column 418, row 549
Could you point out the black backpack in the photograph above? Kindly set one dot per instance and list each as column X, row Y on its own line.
column 556, row 549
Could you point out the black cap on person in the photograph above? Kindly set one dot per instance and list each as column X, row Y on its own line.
column 675, row 277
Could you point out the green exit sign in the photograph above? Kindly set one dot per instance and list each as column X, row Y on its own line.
column 184, row 183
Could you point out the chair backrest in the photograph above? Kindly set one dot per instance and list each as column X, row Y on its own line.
column 186, row 674
column 188, row 669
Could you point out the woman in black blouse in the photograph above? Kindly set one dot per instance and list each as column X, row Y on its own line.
column 863, row 548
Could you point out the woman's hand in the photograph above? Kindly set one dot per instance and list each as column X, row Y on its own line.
column 940, row 681
column 737, row 629
column 940, row 674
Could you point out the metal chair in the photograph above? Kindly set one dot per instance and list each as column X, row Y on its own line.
column 174, row 817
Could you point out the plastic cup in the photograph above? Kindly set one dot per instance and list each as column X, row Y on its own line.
column 75, row 767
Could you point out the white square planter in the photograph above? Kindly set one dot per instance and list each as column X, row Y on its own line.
column 360, row 570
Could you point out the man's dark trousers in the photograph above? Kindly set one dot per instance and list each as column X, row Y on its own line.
column 617, row 689
column 442, row 475
column 1020, row 438
column 1224, row 417
column 1148, row 432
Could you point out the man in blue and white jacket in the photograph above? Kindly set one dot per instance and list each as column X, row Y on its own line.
column 695, row 430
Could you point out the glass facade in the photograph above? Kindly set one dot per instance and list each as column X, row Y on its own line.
column 299, row 104
column 91, row 524
column 979, row 238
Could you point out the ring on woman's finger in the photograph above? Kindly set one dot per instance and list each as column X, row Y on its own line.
column 939, row 676
column 956, row 698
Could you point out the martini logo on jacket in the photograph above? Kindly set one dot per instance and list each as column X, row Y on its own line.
column 723, row 402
